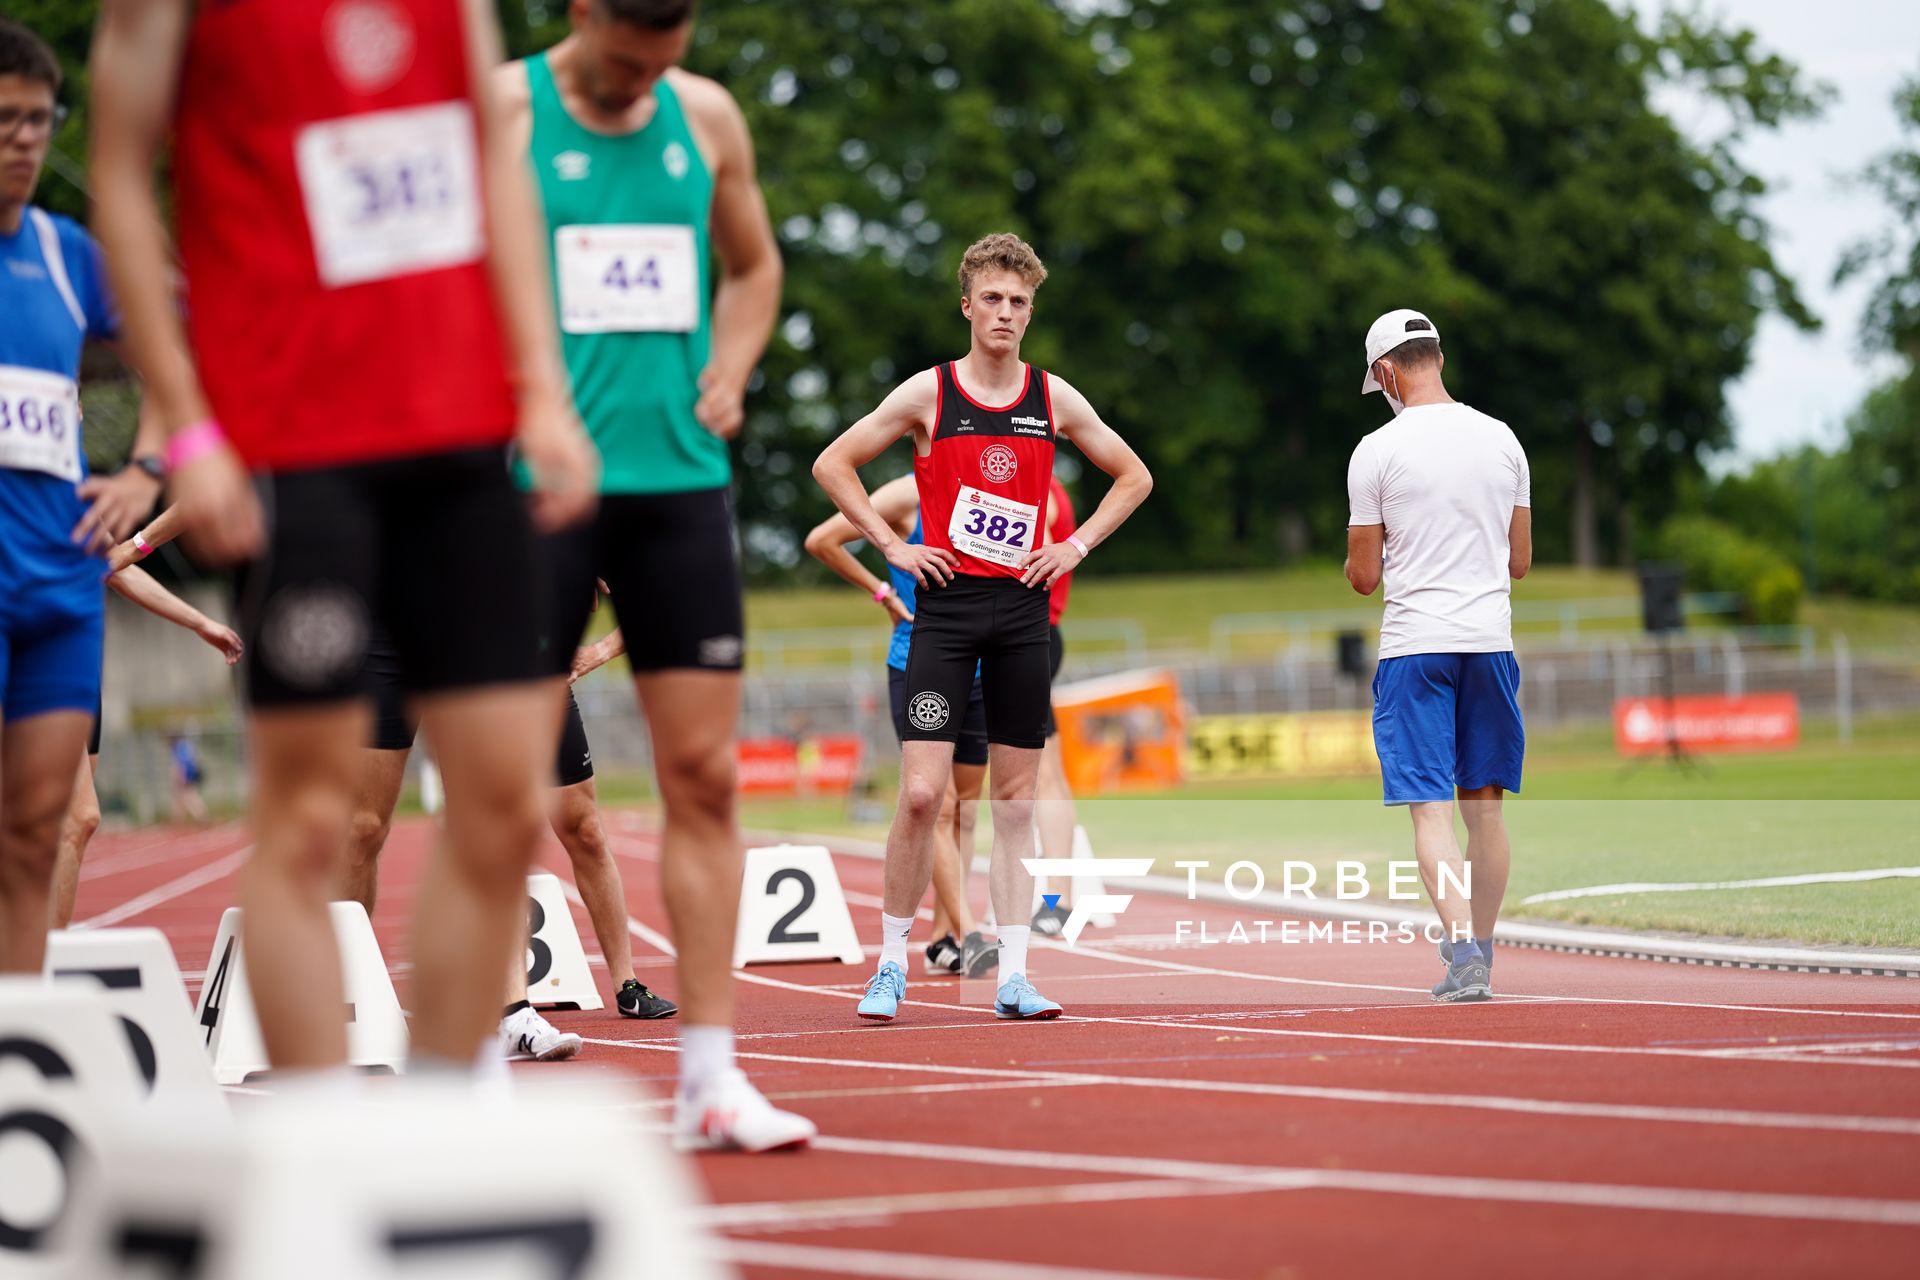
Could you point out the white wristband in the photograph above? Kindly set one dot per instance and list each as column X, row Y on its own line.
column 1078, row 545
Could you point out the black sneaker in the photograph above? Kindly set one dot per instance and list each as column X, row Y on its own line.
column 636, row 1001
column 943, row 958
column 1050, row 922
column 978, row 957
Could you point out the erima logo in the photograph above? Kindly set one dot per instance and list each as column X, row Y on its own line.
column 572, row 166
column 1088, row 904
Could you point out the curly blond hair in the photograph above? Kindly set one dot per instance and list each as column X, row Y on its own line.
column 1001, row 252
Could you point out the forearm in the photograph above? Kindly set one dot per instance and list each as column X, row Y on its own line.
column 745, row 308
column 836, row 475
column 127, row 222
column 1129, row 490
column 847, row 566
column 137, row 585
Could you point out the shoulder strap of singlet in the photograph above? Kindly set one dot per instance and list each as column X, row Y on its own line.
column 57, row 265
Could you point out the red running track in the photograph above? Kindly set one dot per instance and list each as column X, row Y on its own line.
column 1247, row 1110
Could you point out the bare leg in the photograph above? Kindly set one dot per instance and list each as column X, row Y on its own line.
column 76, row 832
column 969, row 781
column 305, row 764
column 1487, row 855
column 692, row 717
column 949, row 876
column 1053, row 804
column 574, row 813
column 924, row 771
column 1014, row 770
column 40, row 754
column 1434, row 844
column 376, row 791
column 494, row 746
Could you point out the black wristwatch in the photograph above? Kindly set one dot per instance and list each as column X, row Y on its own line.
column 153, row 464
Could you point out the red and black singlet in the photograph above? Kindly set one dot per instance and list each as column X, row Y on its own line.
column 984, row 484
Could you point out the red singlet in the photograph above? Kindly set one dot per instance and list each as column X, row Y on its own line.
column 982, row 486
column 329, row 201
column 1060, row 523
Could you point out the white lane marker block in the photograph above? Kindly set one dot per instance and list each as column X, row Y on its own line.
column 557, row 972
column 67, row 1084
column 414, row 1178
column 135, row 970
column 376, row 1029
column 792, row 908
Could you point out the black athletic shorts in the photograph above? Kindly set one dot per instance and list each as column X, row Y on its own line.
column 1001, row 623
column 1056, row 654
column 436, row 550
column 93, row 738
column 669, row 560
column 394, row 728
column 972, row 746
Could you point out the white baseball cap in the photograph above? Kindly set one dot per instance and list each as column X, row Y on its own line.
column 1388, row 332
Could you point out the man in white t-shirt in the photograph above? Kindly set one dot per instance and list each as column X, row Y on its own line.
column 1441, row 507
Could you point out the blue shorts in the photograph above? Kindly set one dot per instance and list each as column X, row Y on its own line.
column 1443, row 721
column 52, row 662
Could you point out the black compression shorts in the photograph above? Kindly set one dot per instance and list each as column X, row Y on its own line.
column 669, row 560
column 394, row 728
column 436, row 550
column 1001, row 624
column 971, row 748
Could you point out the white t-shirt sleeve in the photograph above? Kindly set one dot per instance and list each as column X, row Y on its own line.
column 1522, row 474
column 1363, row 487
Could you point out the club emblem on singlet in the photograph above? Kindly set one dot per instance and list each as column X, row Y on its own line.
column 927, row 711
column 370, row 42
column 674, row 156
column 998, row 463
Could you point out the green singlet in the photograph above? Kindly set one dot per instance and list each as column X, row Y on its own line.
column 628, row 216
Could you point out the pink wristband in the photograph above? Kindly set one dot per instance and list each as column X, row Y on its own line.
column 141, row 544
column 880, row 596
column 1078, row 545
column 192, row 442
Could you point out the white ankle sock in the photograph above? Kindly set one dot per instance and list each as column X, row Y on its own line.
column 1013, row 949
column 705, row 1054
column 893, row 939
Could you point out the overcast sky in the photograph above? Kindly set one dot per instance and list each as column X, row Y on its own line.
column 1802, row 386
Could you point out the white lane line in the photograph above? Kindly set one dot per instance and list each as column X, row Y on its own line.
column 659, row 940
column 1848, row 1047
column 1894, row 1125
column 175, row 888
column 1593, row 1195
column 1118, row 957
column 822, row 1215
column 1764, row 882
column 168, row 849
column 902, row 1266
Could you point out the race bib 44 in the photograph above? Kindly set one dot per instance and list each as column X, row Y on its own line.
column 991, row 527
column 39, row 422
column 627, row 278
column 391, row 193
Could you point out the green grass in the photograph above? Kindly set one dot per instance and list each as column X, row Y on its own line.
column 1178, row 611
column 1582, row 822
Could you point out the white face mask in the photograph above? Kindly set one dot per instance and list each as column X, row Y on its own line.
column 1394, row 401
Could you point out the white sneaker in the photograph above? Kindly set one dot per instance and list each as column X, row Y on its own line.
column 726, row 1113
column 525, row 1034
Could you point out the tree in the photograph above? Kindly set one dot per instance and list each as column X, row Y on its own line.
column 1228, row 191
